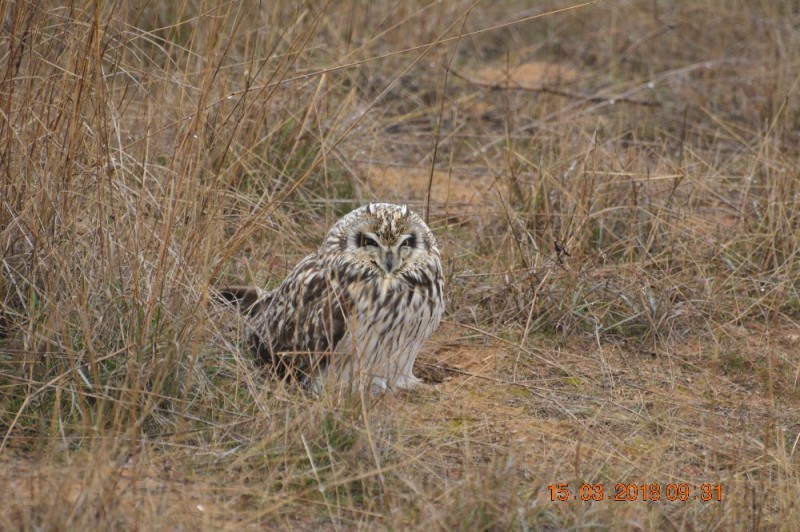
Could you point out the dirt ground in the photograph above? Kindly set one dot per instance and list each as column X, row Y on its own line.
column 614, row 189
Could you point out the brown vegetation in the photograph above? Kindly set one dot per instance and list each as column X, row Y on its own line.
column 615, row 189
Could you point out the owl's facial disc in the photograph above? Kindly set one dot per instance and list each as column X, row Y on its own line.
column 389, row 258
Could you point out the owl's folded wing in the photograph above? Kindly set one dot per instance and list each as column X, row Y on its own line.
column 303, row 320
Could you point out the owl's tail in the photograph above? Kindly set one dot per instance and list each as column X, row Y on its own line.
column 249, row 299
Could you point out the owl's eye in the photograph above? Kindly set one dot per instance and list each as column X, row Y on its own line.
column 365, row 241
column 409, row 242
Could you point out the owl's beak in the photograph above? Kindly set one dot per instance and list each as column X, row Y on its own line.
column 388, row 262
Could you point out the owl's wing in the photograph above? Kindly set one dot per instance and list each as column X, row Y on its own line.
column 304, row 319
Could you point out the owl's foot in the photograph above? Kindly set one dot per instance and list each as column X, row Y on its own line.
column 406, row 382
column 403, row 383
column 379, row 385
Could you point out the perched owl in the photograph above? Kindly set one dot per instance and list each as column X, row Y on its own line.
column 357, row 311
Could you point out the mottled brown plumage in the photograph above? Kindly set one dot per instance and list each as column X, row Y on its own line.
column 358, row 310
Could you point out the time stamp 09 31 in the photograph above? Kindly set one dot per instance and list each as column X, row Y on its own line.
column 683, row 491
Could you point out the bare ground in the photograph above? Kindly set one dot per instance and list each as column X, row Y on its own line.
column 615, row 191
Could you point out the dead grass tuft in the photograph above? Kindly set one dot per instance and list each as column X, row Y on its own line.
column 615, row 190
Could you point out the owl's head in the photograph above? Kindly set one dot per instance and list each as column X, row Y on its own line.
column 385, row 238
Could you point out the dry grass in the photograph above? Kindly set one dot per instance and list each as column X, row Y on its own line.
column 615, row 188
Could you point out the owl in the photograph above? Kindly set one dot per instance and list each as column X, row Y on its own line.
column 357, row 311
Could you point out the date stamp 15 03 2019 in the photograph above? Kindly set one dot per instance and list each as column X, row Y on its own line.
column 637, row 492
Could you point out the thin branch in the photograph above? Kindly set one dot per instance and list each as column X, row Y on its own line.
column 510, row 85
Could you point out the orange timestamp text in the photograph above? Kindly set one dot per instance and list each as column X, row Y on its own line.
column 683, row 491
